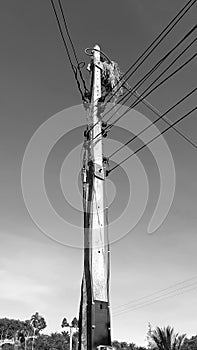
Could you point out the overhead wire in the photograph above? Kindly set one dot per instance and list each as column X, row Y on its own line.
column 160, row 291
column 78, row 64
column 166, row 295
column 109, row 127
column 155, row 121
column 157, row 65
column 170, row 126
column 148, row 74
column 182, row 12
column 72, row 45
column 74, row 69
column 166, row 120
column 153, row 89
column 155, row 80
column 153, row 139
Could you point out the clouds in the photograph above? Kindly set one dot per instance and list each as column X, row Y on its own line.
column 35, row 276
column 36, row 273
column 16, row 287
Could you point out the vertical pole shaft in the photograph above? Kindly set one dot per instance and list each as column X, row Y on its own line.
column 97, row 230
column 94, row 318
column 99, row 258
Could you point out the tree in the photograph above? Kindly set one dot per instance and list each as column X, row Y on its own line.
column 73, row 326
column 126, row 346
column 148, row 337
column 74, row 323
column 54, row 341
column 190, row 344
column 38, row 323
column 64, row 323
column 25, row 333
column 42, row 342
column 166, row 339
column 7, row 347
column 116, row 345
column 10, row 328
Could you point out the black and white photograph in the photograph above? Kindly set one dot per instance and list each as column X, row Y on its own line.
column 98, row 159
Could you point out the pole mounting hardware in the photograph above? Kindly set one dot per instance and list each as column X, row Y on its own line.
column 99, row 172
column 98, row 64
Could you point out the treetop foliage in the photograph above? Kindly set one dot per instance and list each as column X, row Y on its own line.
column 28, row 335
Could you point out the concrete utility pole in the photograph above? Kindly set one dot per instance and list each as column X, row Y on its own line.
column 94, row 319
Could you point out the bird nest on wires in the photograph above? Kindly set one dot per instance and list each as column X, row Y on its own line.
column 111, row 79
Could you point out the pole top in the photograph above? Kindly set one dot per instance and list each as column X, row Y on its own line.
column 96, row 53
column 97, row 47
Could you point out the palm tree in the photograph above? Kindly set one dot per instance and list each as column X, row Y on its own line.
column 73, row 326
column 166, row 339
column 38, row 323
column 65, row 323
column 26, row 331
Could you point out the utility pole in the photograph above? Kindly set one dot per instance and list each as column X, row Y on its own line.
column 94, row 318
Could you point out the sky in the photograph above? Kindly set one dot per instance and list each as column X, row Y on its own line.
column 38, row 273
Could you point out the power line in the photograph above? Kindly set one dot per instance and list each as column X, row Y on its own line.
column 171, row 294
column 61, row 32
column 184, row 10
column 150, row 72
column 154, row 293
column 157, row 65
column 74, row 69
column 167, row 295
column 166, row 120
column 154, row 122
column 72, row 45
column 153, row 139
column 67, row 30
column 184, row 289
column 153, row 89
column 163, row 81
